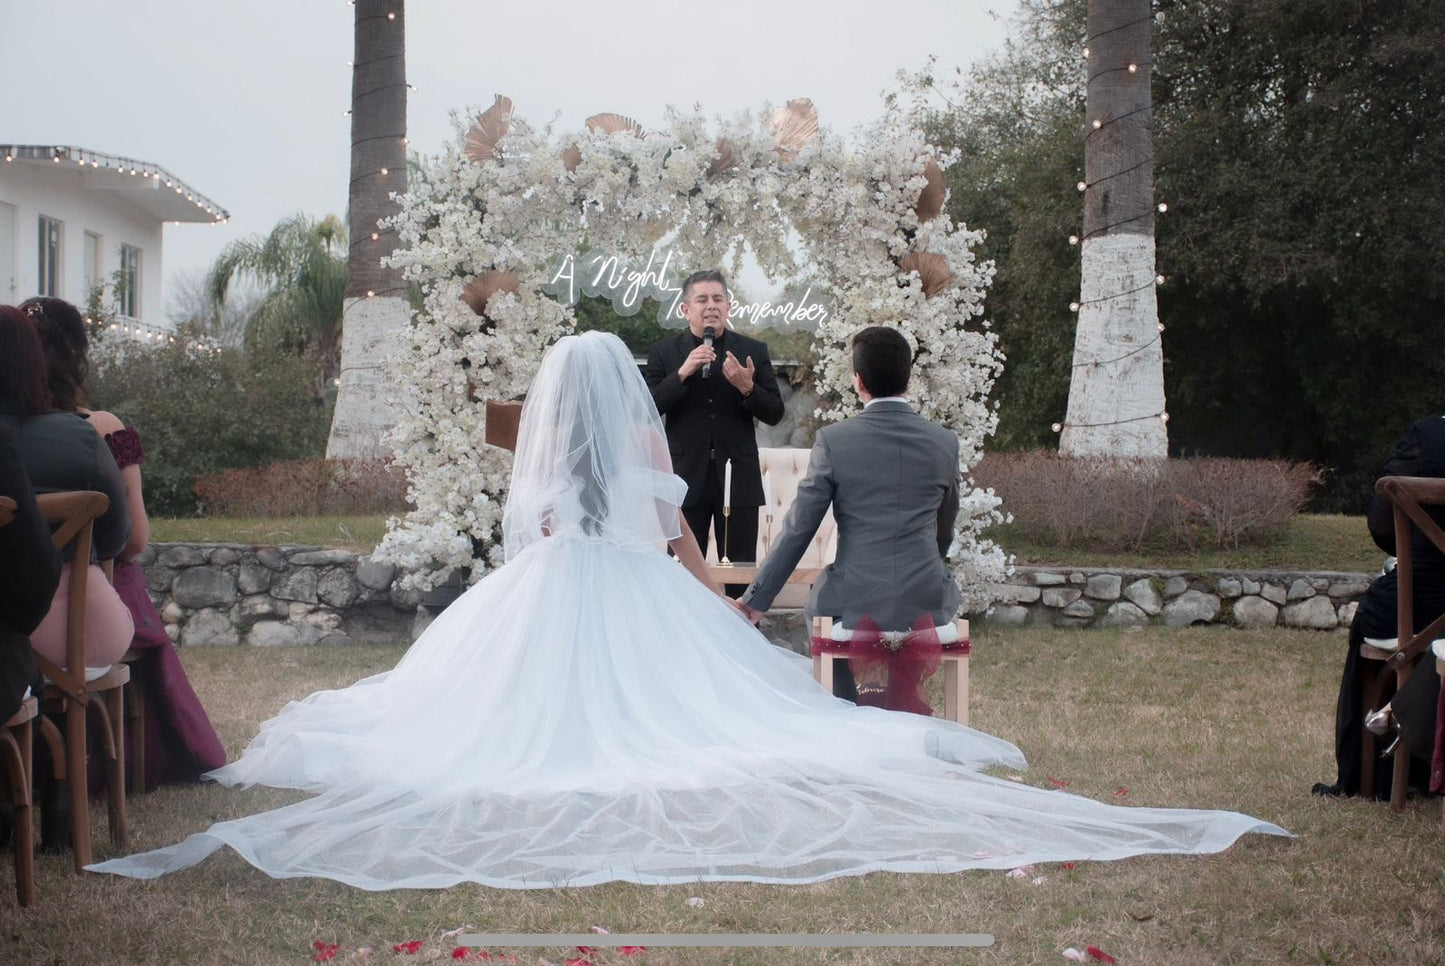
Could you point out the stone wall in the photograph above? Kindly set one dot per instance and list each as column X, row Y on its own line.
column 1111, row 597
column 227, row 594
column 240, row 594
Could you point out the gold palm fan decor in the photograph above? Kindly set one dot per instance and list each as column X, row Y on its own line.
column 795, row 125
column 491, row 126
column 480, row 289
column 613, row 124
column 932, row 270
column 722, row 159
column 930, row 199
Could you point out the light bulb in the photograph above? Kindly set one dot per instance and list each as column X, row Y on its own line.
column 375, row 236
column 391, row 16
column 1098, row 123
column 1163, row 207
column 1057, row 427
column 1073, row 239
column 1133, row 68
column 1164, row 417
column 1086, row 51
column 383, row 170
column 1083, row 186
column 370, row 293
column 1073, row 306
column 1158, row 279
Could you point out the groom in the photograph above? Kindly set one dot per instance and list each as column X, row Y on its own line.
column 892, row 479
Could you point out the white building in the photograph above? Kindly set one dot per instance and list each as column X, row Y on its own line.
column 72, row 219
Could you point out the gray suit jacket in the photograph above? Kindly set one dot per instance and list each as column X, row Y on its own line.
column 892, row 479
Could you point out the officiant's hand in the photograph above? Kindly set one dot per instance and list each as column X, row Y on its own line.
column 740, row 376
column 695, row 360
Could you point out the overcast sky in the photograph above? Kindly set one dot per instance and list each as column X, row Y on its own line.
column 245, row 99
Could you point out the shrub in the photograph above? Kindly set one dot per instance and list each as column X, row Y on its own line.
column 304, row 487
column 201, row 412
column 1124, row 505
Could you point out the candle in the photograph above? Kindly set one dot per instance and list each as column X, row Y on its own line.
column 768, row 493
column 728, row 483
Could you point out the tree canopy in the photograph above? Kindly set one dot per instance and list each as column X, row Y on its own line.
column 1298, row 148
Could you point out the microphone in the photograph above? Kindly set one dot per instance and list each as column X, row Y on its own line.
column 707, row 341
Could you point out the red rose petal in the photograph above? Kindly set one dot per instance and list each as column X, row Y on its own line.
column 632, row 950
column 324, row 951
column 461, row 952
column 408, row 947
column 1096, row 953
column 1069, row 865
column 1121, row 791
column 1058, row 782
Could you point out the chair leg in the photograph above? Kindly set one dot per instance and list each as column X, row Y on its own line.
column 15, row 749
column 114, row 713
column 75, row 751
column 135, row 727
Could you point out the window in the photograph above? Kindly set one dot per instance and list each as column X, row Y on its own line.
column 92, row 263
column 127, row 296
column 48, row 276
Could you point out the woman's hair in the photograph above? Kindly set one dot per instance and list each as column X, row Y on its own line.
column 22, row 364
column 67, row 347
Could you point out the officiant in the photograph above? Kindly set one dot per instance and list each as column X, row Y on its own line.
column 710, row 383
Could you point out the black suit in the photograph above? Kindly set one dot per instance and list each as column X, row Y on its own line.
column 709, row 422
column 1420, row 451
column 29, row 571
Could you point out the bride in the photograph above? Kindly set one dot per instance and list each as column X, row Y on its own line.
column 592, row 711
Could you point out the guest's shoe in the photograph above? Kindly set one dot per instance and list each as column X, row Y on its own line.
column 1378, row 722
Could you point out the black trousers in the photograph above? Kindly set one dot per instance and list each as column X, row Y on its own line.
column 1414, row 706
column 741, row 526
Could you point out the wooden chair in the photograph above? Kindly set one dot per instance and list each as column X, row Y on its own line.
column 1407, row 495
column 17, row 770
column 69, row 693
column 953, row 663
column 135, row 721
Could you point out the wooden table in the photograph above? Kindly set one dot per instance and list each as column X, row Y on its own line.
column 744, row 573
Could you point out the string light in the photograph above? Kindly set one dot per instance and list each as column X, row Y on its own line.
column 385, row 171
column 1073, row 239
column 391, row 15
column 1163, row 207
column 120, row 165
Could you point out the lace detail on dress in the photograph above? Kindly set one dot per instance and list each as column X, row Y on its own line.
column 125, row 447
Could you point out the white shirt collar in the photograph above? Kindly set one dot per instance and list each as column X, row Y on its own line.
column 900, row 399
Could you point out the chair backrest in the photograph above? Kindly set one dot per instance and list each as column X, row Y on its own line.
column 1408, row 495
column 73, row 516
column 7, row 510
column 783, row 469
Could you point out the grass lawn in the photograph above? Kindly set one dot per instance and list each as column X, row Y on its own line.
column 1312, row 542
column 1213, row 717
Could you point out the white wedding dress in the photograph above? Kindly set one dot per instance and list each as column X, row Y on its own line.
column 590, row 712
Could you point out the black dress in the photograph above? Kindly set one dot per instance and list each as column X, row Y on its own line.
column 1420, row 451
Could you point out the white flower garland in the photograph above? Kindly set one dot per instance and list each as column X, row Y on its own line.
column 854, row 210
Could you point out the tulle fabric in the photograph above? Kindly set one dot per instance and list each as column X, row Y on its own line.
column 591, row 712
column 592, row 460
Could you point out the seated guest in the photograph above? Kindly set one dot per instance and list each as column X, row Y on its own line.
column 61, row 452
column 180, row 743
column 1420, row 451
column 29, row 572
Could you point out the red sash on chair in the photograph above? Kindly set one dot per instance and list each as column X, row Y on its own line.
column 891, row 666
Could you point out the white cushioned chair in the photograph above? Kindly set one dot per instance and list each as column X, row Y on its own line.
column 783, row 469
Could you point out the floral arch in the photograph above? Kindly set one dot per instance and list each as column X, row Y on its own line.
column 485, row 220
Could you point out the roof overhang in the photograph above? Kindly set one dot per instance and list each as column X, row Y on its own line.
column 146, row 185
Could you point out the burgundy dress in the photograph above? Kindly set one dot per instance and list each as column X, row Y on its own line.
column 180, row 743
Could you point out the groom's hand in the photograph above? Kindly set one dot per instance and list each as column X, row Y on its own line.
column 752, row 614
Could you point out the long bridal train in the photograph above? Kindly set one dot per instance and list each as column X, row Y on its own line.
column 644, row 733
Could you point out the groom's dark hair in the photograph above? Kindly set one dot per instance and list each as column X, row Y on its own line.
column 710, row 275
column 881, row 357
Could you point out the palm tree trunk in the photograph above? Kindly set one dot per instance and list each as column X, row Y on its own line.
column 1116, row 395
column 376, row 306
